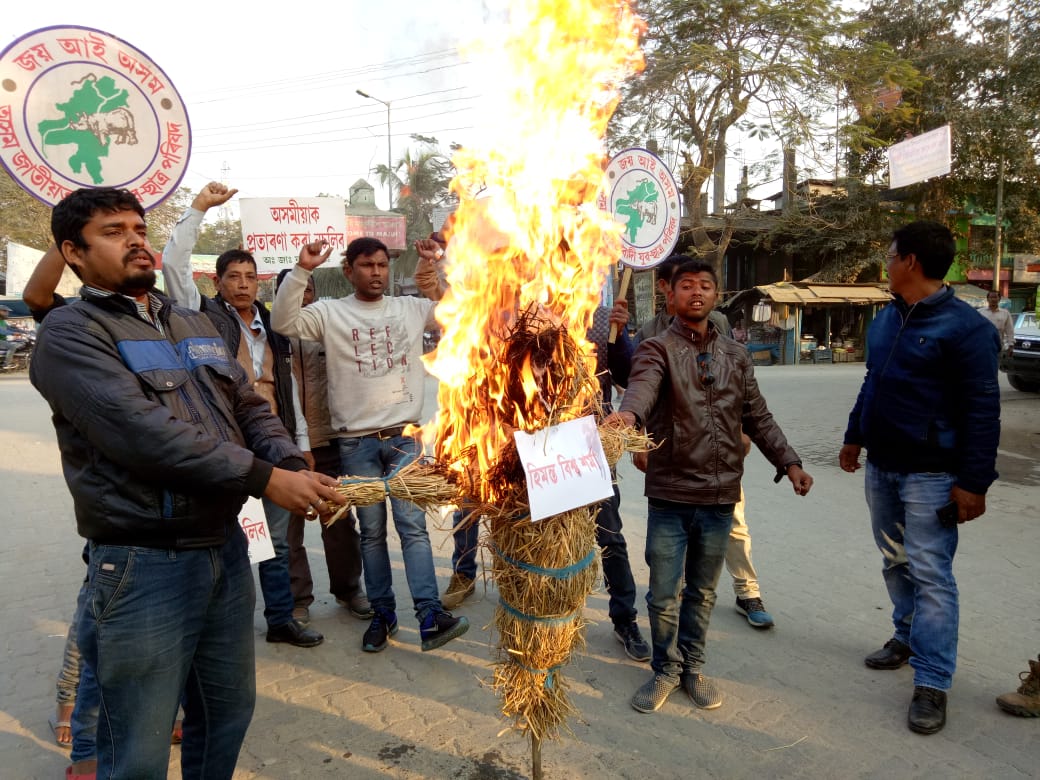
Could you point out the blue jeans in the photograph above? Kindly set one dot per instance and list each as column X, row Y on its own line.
column 690, row 540
column 159, row 624
column 83, row 723
column 464, row 554
column 274, row 572
column 917, row 565
column 617, row 571
column 369, row 456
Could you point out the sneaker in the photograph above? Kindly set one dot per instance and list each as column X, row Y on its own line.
column 652, row 696
column 702, row 691
column 460, row 587
column 755, row 612
column 439, row 628
column 383, row 626
column 1026, row 702
column 358, row 606
column 302, row 615
column 636, row 647
column 892, row 656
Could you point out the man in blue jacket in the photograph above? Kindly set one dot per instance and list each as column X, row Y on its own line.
column 929, row 416
column 161, row 441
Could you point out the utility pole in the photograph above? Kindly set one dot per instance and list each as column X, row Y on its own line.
column 998, row 223
column 389, row 165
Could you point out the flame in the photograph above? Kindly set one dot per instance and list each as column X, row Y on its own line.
column 535, row 253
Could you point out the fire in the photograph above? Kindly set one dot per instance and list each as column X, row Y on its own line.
column 535, row 253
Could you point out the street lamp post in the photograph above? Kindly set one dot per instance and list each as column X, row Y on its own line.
column 389, row 167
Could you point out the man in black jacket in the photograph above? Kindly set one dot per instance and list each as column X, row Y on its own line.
column 266, row 358
column 161, row 440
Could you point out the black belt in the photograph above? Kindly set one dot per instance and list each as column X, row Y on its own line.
column 386, row 433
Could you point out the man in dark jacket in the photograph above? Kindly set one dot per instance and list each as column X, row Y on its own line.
column 695, row 391
column 929, row 415
column 266, row 357
column 161, row 440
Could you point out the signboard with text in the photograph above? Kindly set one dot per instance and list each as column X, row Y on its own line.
column 274, row 230
column 643, row 196
column 82, row 108
column 565, row 467
column 919, row 159
column 391, row 229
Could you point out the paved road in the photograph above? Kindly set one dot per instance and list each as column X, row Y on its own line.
column 799, row 702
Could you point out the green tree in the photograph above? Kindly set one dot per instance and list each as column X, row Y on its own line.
column 163, row 217
column 758, row 65
column 420, row 182
column 217, row 237
column 964, row 74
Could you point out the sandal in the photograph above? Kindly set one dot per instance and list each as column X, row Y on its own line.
column 61, row 726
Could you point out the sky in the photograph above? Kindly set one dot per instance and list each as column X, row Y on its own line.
column 271, row 92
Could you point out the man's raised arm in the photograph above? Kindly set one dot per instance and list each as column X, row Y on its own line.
column 177, row 254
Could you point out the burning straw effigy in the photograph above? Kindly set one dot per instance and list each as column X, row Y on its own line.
column 545, row 570
column 525, row 268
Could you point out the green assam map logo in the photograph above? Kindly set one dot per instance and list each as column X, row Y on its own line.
column 82, row 108
column 644, row 198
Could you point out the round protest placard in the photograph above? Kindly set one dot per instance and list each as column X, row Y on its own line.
column 644, row 197
column 82, row 108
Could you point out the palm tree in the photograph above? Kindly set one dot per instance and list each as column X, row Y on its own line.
column 419, row 181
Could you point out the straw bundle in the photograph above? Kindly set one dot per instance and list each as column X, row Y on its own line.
column 424, row 482
column 544, row 572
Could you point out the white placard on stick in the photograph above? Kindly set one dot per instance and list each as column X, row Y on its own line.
column 565, row 467
column 274, row 230
column 254, row 522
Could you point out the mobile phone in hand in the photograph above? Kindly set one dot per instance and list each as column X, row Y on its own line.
column 948, row 514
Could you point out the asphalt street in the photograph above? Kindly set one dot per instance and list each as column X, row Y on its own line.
column 799, row 703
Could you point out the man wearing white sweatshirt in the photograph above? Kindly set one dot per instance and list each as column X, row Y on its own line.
column 373, row 346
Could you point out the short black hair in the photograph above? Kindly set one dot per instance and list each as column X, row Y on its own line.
column 233, row 256
column 363, row 247
column 77, row 209
column 667, row 267
column 931, row 243
column 694, row 267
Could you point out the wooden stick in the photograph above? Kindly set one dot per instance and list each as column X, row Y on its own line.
column 626, row 277
column 536, row 757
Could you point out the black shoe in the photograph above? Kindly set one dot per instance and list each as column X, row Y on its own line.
column 927, row 710
column 294, row 634
column 893, row 655
column 636, row 647
column 377, row 635
column 439, row 628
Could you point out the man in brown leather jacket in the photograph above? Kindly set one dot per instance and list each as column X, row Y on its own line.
column 694, row 390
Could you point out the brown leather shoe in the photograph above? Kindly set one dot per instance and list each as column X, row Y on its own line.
column 927, row 713
column 893, row 655
column 1026, row 701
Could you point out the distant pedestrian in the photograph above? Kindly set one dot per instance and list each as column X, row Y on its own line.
column 928, row 414
column 1000, row 318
